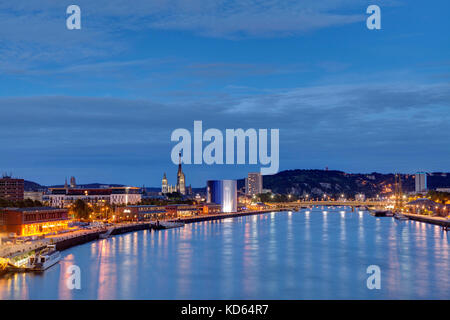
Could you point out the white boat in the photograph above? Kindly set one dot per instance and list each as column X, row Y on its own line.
column 45, row 259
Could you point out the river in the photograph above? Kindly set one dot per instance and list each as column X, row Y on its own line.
column 321, row 253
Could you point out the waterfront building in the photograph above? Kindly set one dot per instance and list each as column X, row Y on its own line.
column 181, row 182
column 223, row 192
column 154, row 212
column 253, row 183
column 211, row 208
column 33, row 195
column 11, row 189
column 360, row 197
column 63, row 197
column 140, row 213
column 33, row 221
column 183, row 210
column 421, row 181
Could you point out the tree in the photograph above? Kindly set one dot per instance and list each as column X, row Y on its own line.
column 81, row 209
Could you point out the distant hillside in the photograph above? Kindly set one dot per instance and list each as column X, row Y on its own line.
column 33, row 186
column 318, row 182
column 314, row 182
column 91, row 185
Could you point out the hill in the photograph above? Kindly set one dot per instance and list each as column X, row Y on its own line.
column 334, row 183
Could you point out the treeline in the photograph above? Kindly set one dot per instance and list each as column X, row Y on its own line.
column 439, row 197
column 27, row 203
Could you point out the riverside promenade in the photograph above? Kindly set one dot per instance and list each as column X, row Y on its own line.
column 441, row 221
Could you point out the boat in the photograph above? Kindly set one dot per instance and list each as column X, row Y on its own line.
column 381, row 213
column 45, row 259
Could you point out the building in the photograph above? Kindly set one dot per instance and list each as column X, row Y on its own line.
column 223, row 192
column 360, row 197
column 33, row 195
column 11, row 189
column 253, row 183
column 443, row 190
column 73, row 183
column 181, row 182
column 164, row 185
column 421, row 181
column 63, row 197
column 211, row 208
column 183, row 210
column 33, row 221
column 154, row 212
column 140, row 213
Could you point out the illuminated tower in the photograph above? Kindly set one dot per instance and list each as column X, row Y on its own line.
column 164, row 185
column 181, row 182
column 73, row 183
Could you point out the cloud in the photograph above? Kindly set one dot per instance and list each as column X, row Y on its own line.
column 357, row 126
column 32, row 31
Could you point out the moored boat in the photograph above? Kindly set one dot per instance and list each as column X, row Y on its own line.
column 45, row 259
column 381, row 213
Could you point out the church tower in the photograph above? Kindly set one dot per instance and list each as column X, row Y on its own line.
column 164, row 184
column 181, row 182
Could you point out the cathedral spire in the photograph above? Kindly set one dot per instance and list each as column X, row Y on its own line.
column 179, row 164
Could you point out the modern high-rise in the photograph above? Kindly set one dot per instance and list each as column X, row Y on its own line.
column 11, row 189
column 253, row 183
column 421, row 181
column 224, row 193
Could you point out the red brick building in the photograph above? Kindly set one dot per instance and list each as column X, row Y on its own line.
column 33, row 221
column 11, row 189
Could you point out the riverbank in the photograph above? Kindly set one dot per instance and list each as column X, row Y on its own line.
column 78, row 237
column 224, row 216
column 68, row 240
column 440, row 221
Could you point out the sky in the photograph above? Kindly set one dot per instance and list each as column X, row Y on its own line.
column 101, row 103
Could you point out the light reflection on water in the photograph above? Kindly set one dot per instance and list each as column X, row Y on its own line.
column 299, row 255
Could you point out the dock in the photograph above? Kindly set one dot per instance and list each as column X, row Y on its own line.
column 440, row 221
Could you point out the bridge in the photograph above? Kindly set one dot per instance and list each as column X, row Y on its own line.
column 340, row 203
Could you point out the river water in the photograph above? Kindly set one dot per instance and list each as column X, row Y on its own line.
column 321, row 253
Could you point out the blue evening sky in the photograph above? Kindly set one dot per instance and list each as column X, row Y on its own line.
column 100, row 103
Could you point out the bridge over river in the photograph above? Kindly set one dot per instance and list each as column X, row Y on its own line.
column 299, row 204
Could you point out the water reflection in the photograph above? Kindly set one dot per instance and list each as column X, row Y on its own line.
column 318, row 253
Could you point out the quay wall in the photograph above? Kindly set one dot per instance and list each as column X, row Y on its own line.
column 433, row 220
column 74, row 241
column 223, row 216
column 130, row 228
